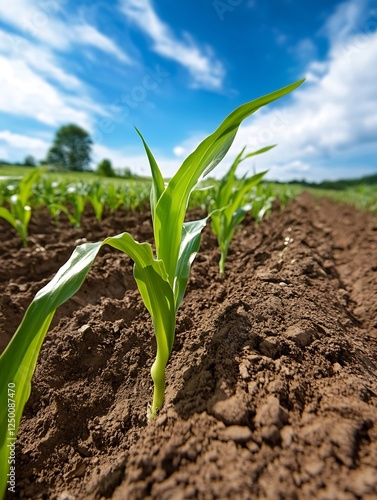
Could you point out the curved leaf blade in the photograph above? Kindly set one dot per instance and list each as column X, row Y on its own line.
column 190, row 243
column 158, row 185
column 17, row 363
column 205, row 158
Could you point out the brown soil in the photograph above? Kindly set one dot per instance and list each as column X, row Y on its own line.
column 271, row 387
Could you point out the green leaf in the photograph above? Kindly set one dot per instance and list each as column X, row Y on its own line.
column 190, row 243
column 26, row 185
column 245, row 188
column 17, row 363
column 161, row 281
column 6, row 215
column 158, row 185
column 173, row 201
column 227, row 182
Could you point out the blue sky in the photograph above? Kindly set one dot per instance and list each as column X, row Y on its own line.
column 176, row 69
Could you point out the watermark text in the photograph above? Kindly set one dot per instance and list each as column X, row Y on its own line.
column 11, row 438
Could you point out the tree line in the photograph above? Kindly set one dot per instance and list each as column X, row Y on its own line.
column 72, row 150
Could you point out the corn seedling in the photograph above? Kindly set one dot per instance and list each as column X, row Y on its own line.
column 19, row 212
column 114, row 198
column 76, row 198
column 161, row 278
column 51, row 194
column 6, row 190
column 96, row 198
column 136, row 196
column 230, row 203
column 262, row 199
column 202, row 195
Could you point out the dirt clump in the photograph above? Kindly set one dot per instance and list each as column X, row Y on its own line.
column 271, row 387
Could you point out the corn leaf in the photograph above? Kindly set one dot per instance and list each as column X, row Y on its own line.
column 26, row 185
column 17, row 363
column 203, row 160
column 158, row 185
column 6, row 215
column 239, row 194
column 231, row 197
column 161, row 282
column 227, row 182
column 190, row 243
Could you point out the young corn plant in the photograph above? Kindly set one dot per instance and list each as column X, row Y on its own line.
column 75, row 197
column 50, row 194
column 19, row 212
column 114, row 198
column 263, row 197
column 161, row 278
column 231, row 203
column 96, row 197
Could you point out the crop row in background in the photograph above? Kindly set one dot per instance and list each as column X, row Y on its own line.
column 69, row 197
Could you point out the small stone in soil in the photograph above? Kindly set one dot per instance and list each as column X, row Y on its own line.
column 237, row 433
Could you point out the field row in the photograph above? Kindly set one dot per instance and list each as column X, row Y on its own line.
column 67, row 197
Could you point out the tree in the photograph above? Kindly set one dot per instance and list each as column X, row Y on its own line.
column 105, row 168
column 71, row 148
column 127, row 173
column 30, row 161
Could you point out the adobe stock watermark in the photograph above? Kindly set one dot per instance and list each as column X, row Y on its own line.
column 224, row 6
column 360, row 36
column 35, row 20
column 11, row 438
column 267, row 135
column 126, row 102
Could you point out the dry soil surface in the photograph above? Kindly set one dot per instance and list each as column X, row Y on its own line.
column 271, row 387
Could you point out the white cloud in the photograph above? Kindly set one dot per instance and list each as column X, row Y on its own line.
column 19, row 141
column 29, row 73
column 17, row 146
column 41, row 23
column 86, row 34
column 305, row 50
column 137, row 162
column 179, row 151
column 25, row 93
column 34, row 81
column 38, row 58
column 205, row 70
column 347, row 19
column 326, row 124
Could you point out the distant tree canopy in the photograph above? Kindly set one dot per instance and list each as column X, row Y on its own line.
column 105, row 168
column 71, row 148
column 128, row 173
column 340, row 184
column 30, row 161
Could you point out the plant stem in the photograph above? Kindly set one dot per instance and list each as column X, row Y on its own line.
column 222, row 263
column 158, row 375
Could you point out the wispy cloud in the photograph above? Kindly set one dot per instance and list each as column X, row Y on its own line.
column 26, row 93
column 89, row 35
column 138, row 162
column 11, row 143
column 38, row 58
column 346, row 21
column 305, row 50
column 330, row 121
column 23, row 142
column 35, row 81
column 206, row 71
column 43, row 23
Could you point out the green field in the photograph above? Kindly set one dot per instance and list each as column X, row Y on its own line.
column 18, row 171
